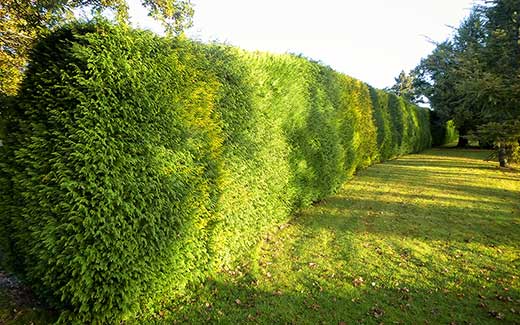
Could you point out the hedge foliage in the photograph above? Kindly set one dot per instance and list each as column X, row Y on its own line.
column 138, row 164
column 443, row 132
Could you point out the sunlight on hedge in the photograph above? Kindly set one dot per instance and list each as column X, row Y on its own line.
column 137, row 165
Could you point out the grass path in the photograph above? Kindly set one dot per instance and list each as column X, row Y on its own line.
column 428, row 238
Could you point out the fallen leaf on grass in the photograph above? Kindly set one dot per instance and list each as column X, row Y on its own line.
column 358, row 281
column 377, row 312
column 502, row 298
column 311, row 305
column 404, row 307
column 497, row 315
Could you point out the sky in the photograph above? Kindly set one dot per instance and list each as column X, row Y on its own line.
column 371, row 40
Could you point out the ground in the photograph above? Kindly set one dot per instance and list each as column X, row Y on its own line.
column 427, row 238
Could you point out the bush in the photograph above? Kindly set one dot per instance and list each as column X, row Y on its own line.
column 140, row 164
column 443, row 132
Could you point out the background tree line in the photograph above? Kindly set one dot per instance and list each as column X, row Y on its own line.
column 473, row 78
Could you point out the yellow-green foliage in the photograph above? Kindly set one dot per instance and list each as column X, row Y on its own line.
column 138, row 164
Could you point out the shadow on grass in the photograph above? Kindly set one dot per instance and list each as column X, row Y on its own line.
column 315, row 303
column 491, row 225
column 471, row 153
column 396, row 198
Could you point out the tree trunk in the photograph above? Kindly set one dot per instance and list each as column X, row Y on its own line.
column 463, row 142
column 502, row 159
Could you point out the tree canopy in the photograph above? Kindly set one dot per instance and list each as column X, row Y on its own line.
column 404, row 87
column 23, row 22
column 473, row 78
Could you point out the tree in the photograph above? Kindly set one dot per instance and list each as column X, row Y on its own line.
column 404, row 87
column 23, row 22
column 505, row 136
column 474, row 77
column 175, row 15
column 439, row 75
column 493, row 85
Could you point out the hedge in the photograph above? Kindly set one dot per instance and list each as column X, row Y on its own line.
column 443, row 132
column 137, row 164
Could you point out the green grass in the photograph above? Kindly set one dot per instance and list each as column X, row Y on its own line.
column 427, row 238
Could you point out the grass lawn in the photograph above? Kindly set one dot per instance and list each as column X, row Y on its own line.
column 427, row 238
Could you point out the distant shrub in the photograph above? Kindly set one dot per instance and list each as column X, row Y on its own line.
column 137, row 164
column 443, row 132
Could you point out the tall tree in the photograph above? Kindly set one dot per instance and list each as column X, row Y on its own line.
column 404, row 87
column 474, row 77
column 439, row 75
column 500, row 85
column 24, row 21
column 175, row 15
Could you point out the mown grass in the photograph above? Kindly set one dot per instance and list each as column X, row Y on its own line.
column 427, row 238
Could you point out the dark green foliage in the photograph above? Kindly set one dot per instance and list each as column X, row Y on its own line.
column 443, row 132
column 504, row 137
column 6, row 103
column 473, row 78
column 138, row 164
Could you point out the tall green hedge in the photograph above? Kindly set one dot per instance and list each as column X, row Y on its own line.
column 136, row 164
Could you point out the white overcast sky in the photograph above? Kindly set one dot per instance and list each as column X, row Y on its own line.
column 372, row 40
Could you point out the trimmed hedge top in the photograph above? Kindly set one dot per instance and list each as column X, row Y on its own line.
column 138, row 164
